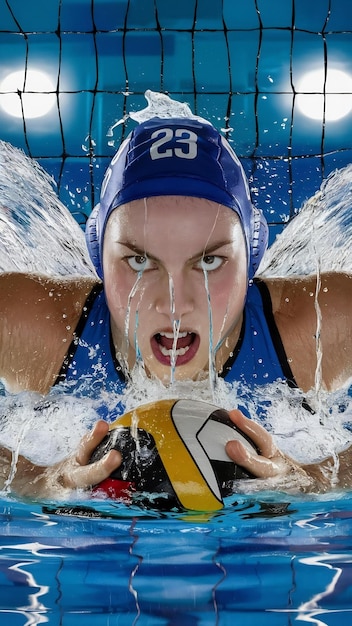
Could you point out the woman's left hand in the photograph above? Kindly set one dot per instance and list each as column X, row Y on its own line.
column 275, row 469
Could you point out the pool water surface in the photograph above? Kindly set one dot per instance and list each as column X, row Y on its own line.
column 265, row 560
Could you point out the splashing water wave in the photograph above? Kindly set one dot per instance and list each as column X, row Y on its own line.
column 37, row 232
column 319, row 236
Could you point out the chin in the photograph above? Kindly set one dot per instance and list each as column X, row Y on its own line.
column 180, row 374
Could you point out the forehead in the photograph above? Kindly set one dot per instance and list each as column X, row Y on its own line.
column 177, row 214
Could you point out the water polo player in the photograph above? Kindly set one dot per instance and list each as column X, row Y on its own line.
column 176, row 242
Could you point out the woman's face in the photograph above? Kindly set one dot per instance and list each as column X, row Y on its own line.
column 175, row 276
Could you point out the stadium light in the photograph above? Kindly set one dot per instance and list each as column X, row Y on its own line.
column 337, row 92
column 34, row 88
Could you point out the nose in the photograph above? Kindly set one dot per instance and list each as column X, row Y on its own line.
column 175, row 296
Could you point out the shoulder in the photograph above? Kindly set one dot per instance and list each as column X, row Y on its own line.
column 289, row 295
column 13, row 282
column 42, row 293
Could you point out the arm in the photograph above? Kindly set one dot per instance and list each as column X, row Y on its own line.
column 314, row 317
column 26, row 479
column 38, row 317
column 279, row 471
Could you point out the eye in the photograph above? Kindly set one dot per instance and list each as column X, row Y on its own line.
column 210, row 262
column 139, row 262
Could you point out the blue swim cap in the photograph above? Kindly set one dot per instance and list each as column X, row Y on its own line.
column 177, row 157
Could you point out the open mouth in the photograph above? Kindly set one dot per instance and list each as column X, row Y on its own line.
column 179, row 349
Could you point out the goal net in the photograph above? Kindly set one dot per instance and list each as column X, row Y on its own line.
column 272, row 75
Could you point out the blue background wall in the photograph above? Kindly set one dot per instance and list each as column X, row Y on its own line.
column 237, row 63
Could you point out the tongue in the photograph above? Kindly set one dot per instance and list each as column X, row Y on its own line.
column 182, row 342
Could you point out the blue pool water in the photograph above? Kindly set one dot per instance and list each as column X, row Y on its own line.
column 267, row 560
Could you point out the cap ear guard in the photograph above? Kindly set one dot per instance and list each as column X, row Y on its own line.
column 95, row 225
column 253, row 222
column 259, row 241
column 92, row 240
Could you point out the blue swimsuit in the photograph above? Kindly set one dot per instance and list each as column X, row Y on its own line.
column 259, row 357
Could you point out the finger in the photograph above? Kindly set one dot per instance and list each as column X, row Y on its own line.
column 90, row 441
column 260, row 437
column 259, row 466
column 86, row 476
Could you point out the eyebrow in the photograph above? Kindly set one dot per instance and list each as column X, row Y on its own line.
column 136, row 250
column 210, row 249
column 204, row 252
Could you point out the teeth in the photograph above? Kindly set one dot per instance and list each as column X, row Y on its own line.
column 172, row 335
column 169, row 353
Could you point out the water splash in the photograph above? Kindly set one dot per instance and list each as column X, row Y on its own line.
column 161, row 105
column 315, row 254
column 23, row 430
column 110, row 132
column 37, row 232
column 55, row 424
column 172, row 295
column 298, row 433
column 44, row 430
column 318, row 377
column 131, row 295
column 176, row 324
column 212, row 375
column 323, row 224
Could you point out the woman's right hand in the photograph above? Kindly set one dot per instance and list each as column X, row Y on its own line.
column 275, row 469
